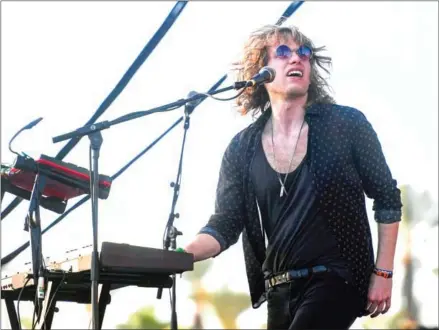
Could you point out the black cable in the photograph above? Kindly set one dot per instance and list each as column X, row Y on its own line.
column 18, row 302
column 53, row 297
column 34, row 322
column 226, row 99
column 38, row 307
column 170, row 297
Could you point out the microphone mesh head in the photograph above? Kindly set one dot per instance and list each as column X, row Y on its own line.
column 269, row 71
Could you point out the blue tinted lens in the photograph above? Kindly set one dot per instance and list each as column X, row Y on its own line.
column 283, row 51
column 304, row 51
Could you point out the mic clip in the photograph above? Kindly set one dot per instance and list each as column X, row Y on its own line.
column 241, row 84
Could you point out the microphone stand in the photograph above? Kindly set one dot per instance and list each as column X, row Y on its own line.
column 172, row 232
column 95, row 145
column 33, row 226
column 32, row 222
column 93, row 131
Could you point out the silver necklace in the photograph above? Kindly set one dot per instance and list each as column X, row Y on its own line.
column 282, row 184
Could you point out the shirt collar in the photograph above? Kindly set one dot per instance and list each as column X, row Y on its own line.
column 314, row 109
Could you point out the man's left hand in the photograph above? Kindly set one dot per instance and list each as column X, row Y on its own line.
column 379, row 296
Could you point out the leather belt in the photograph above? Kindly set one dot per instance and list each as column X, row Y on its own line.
column 294, row 275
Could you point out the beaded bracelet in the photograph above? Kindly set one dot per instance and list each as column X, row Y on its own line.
column 383, row 273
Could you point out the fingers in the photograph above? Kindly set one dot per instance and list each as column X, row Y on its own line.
column 372, row 306
column 376, row 308
column 388, row 304
column 379, row 309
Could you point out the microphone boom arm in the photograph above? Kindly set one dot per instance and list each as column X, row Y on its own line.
column 89, row 129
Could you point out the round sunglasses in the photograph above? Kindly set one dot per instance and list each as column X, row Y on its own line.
column 304, row 52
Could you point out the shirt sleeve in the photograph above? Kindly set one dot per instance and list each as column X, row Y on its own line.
column 227, row 222
column 375, row 174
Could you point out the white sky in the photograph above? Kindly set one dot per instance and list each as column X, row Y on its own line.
column 61, row 59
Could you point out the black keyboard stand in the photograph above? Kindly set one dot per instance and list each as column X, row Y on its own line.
column 74, row 287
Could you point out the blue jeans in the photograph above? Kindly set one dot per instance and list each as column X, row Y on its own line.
column 323, row 301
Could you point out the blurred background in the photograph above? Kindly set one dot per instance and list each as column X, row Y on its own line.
column 59, row 61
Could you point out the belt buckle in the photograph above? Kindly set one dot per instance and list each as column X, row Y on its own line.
column 279, row 279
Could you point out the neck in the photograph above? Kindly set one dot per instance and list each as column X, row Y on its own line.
column 287, row 114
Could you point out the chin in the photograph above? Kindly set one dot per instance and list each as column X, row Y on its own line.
column 297, row 92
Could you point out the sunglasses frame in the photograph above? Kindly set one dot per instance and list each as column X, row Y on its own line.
column 297, row 51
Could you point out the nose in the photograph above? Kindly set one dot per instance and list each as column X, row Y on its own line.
column 294, row 58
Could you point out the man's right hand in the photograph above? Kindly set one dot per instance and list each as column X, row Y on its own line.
column 204, row 246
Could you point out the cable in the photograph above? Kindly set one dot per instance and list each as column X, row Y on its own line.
column 53, row 297
column 38, row 308
column 18, row 302
column 34, row 322
column 170, row 297
column 227, row 99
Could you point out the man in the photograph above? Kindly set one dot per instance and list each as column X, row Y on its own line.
column 297, row 177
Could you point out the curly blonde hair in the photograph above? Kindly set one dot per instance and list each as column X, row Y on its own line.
column 254, row 57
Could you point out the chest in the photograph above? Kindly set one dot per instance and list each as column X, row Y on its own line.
column 284, row 154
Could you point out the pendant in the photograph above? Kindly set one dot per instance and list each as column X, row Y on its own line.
column 282, row 190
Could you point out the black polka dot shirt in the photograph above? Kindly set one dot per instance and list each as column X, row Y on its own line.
column 347, row 162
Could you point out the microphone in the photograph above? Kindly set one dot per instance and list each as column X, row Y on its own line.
column 265, row 75
column 28, row 126
column 32, row 123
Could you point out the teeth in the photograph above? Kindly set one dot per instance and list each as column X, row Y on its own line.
column 295, row 73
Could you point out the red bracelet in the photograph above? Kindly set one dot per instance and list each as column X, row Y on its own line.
column 383, row 273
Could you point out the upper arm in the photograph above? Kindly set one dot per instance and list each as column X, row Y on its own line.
column 227, row 223
column 374, row 172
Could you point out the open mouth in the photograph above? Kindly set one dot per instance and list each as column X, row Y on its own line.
column 295, row 73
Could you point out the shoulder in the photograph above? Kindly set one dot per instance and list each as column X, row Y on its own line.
column 342, row 114
column 244, row 137
column 341, row 111
column 237, row 145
